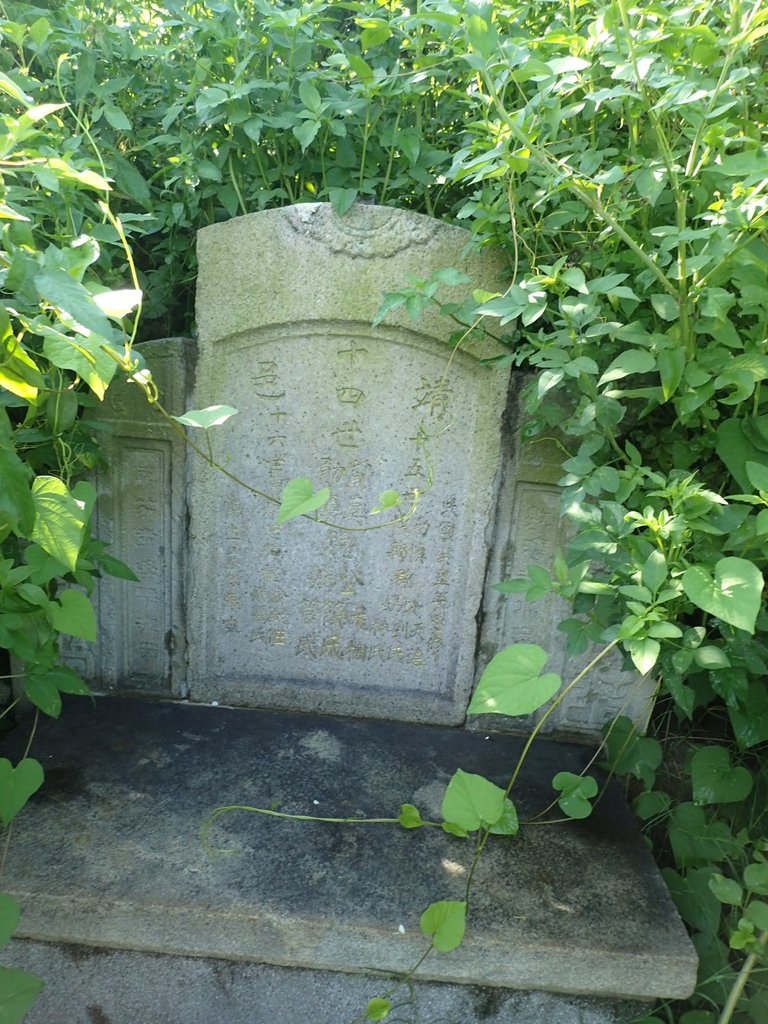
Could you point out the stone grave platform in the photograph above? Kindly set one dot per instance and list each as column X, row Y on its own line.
column 132, row 921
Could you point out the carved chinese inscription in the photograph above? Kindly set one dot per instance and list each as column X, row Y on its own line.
column 342, row 618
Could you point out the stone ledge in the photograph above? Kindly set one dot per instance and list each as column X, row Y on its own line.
column 107, row 854
column 96, row 986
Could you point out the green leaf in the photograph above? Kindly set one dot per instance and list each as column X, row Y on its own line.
column 634, row 360
column 576, row 791
column 511, row 684
column 666, row 306
column 671, row 363
column 117, row 119
column 727, row 890
column 733, row 595
column 17, row 785
column 306, row 131
column 472, row 801
column 375, row 35
column 756, row 878
column 455, row 830
column 410, row 816
column 711, row 658
column 644, row 653
column 630, row 754
column 309, row 96
column 388, row 500
column 114, row 567
column 66, row 680
column 378, row 1009
column 758, row 475
column 18, row 992
column 83, row 355
column 43, row 694
column 750, row 718
column 299, row 498
column 508, row 824
column 59, row 520
column 739, row 441
column 7, row 85
column 654, row 572
column 73, row 614
column 757, row 913
column 566, row 65
column 692, row 895
column 651, row 805
column 118, row 303
column 445, row 922
column 69, row 296
column 363, row 71
column 482, row 36
column 696, row 841
column 213, row 416
column 342, row 199
column 9, row 918
column 17, row 508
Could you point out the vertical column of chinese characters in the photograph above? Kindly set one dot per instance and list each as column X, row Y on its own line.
column 270, row 596
column 408, row 559
column 347, row 434
column 446, row 530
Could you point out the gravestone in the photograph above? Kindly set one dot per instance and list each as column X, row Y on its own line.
column 344, row 619
column 393, row 622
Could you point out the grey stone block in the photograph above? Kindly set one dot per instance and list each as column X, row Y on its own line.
column 368, row 623
column 141, row 514
column 98, row 986
column 530, row 529
column 107, row 853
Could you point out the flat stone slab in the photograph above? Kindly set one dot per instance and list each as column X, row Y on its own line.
column 99, row 986
column 108, row 854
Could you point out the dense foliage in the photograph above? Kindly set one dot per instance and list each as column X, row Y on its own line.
column 617, row 152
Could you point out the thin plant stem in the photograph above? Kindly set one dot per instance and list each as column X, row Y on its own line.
column 741, row 981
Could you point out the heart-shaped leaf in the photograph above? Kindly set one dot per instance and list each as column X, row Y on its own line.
column 378, row 1009
column 74, row 615
column 472, row 801
column 511, row 684
column 17, row 785
column 445, row 922
column 213, row 416
column 715, row 780
column 733, row 595
column 18, row 992
column 299, row 499
column 576, row 791
column 410, row 817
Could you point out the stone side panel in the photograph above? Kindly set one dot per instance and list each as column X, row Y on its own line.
column 530, row 529
column 141, row 514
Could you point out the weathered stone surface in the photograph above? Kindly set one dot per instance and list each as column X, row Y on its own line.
column 349, row 620
column 140, row 513
column 107, row 853
column 96, row 986
column 530, row 529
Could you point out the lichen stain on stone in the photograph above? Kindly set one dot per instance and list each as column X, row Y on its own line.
column 323, row 745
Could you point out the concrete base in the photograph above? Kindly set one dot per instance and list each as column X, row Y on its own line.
column 107, row 855
column 91, row 986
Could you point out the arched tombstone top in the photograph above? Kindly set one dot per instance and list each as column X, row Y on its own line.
column 305, row 263
column 307, row 617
